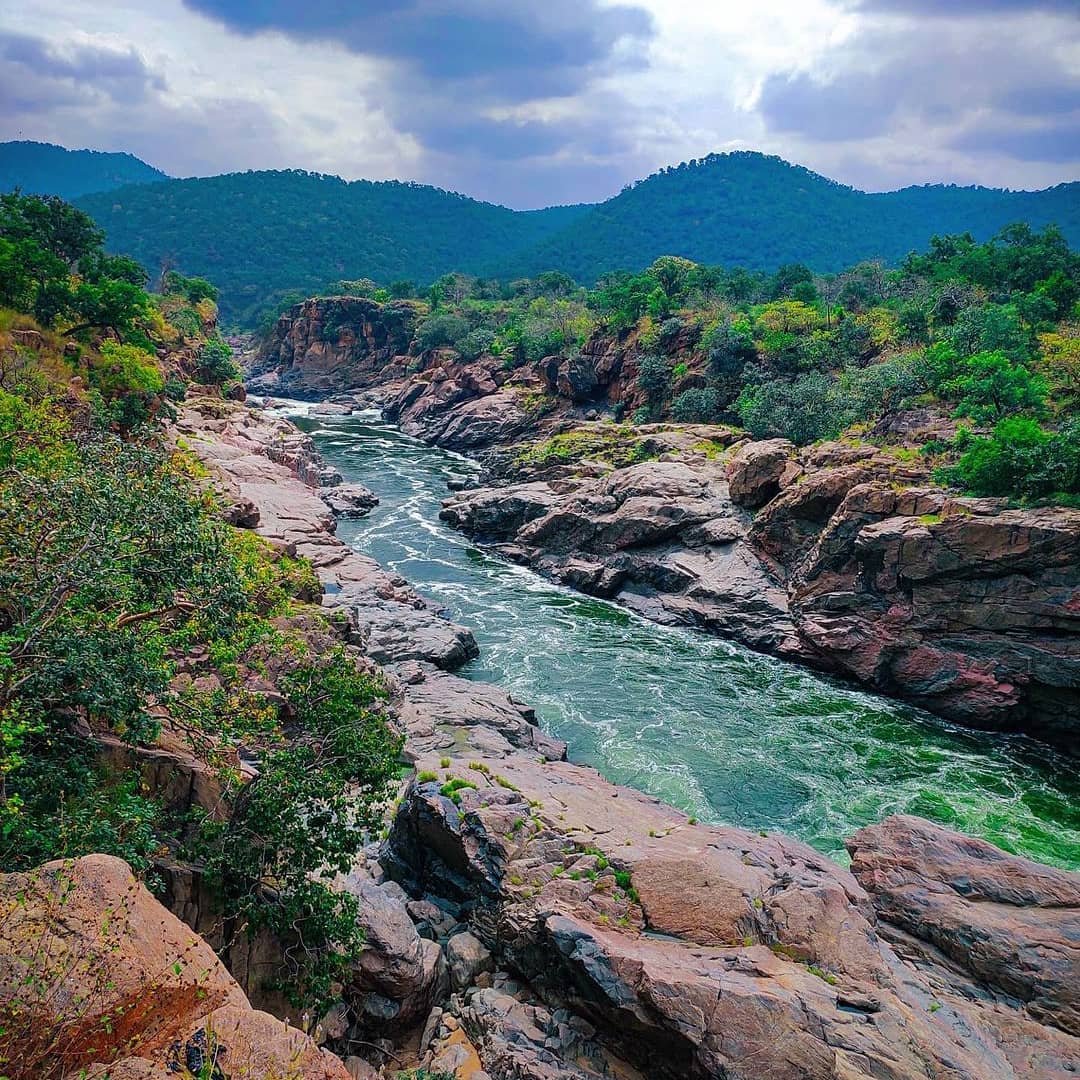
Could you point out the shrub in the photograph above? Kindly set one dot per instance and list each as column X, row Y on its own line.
column 216, row 363
column 441, row 329
column 803, row 410
column 871, row 392
column 989, row 386
column 129, row 382
column 1019, row 459
column 317, row 795
column 654, row 377
column 696, row 406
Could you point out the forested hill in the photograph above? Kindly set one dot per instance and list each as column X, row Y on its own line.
column 266, row 236
column 45, row 169
column 261, row 236
column 746, row 209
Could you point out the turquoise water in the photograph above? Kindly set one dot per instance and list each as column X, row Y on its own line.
column 723, row 733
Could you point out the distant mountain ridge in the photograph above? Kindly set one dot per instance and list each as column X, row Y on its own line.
column 47, row 169
column 264, row 235
column 749, row 209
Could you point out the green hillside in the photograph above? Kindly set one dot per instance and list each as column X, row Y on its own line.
column 262, row 235
column 760, row 212
column 265, row 236
column 46, row 169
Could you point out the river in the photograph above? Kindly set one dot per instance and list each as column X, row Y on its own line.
column 723, row 733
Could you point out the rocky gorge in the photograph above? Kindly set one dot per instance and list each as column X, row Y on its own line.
column 842, row 555
column 525, row 918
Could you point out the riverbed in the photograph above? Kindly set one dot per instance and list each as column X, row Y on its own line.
column 726, row 734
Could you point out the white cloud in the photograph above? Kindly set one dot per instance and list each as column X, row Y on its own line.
column 866, row 92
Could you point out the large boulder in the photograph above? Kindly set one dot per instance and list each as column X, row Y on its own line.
column 758, row 470
column 1010, row 922
column 690, row 952
column 96, row 975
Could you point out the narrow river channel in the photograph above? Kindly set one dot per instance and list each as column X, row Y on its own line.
column 723, row 733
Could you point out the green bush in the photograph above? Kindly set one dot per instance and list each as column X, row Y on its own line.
column 696, row 406
column 989, row 386
column 803, row 410
column 1019, row 459
column 441, row 329
column 216, row 363
column 654, row 377
column 319, row 793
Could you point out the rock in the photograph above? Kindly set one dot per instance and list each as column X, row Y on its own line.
column 359, row 1069
column 1010, row 922
column 329, row 408
column 262, row 460
column 88, row 955
column 959, row 605
column 349, row 500
column 757, row 470
column 329, row 344
column 762, row 958
column 466, row 957
column 399, row 973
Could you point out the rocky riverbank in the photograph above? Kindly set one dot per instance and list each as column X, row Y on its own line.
column 526, row 919
column 842, row 555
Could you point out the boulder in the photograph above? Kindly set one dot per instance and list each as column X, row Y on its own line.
column 466, row 957
column 757, row 470
column 96, row 975
column 399, row 973
column 1009, row 922
column 688, row 951
column 349, row 500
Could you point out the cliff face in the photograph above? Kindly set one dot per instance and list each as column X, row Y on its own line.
column 330, row 344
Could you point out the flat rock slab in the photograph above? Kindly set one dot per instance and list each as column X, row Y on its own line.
column 260, row 460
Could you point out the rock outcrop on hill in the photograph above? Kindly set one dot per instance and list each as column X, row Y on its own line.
column 329, row 344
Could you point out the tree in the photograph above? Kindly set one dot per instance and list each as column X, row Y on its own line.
column 803, row 410
column 1019, row 459
column 654, row 377
column 989, row 386
column 699, row 405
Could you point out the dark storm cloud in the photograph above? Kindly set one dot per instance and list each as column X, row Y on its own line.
column 35, row 76
column 514, row 51
column 459, row 66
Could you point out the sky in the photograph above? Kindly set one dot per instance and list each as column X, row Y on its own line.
column 532, row 103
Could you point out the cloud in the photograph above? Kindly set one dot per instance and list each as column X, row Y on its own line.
column 37, row 75
column 952, row 100
column 1055, row 142
column 530, row 104
column 953, row 9
column 512, row 51
column 852, row 106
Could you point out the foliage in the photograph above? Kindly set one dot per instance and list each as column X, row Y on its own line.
column 1019, row 458
column 259, row 234
column 988, row 386
column 304, row 817
column 105, row 553
column 216, row 363
column 696, row 406
column 803, row 410
column 654, row 376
